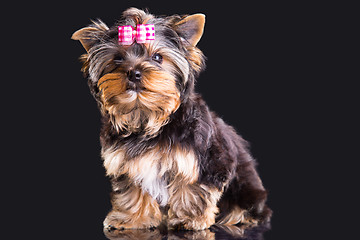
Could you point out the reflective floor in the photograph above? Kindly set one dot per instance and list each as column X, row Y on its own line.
column 214, row 233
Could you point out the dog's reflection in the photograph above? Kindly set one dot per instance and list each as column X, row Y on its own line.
column 215, row 232
column 156, row 234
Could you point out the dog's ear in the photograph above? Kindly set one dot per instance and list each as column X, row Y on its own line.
column 88, row 36
column 191, row 28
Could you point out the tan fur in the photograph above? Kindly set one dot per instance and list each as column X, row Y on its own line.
column 195, row 58
column 192, row 206
column 85, row 35
column 181, row 163
column 238, row 215
column 197, row 23
column 133, row 208
column 196, row 235
column 151, row 107
column 137, row 92
column 148, row 169
column 234, row 217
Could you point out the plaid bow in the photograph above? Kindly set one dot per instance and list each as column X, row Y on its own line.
column 144, row 33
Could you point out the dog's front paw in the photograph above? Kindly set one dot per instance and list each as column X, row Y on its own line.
column 114, row 222
column 119, row 221
column 180, row 221
column 189, row 224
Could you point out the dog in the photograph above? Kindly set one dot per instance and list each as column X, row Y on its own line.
column 169, row 158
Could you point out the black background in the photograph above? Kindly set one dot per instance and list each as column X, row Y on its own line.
column 278, row 74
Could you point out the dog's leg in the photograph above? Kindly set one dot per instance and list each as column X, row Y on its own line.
column 132, row 208
column 244, row 199
column 192, row 206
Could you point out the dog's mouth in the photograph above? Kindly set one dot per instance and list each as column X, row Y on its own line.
column 135, row 87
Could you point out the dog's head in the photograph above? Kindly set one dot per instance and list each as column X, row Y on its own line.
column 139, row 85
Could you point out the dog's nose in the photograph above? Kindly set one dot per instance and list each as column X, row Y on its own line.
column 134, row 75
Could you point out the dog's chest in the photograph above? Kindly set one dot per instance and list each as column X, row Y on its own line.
column 154, row 170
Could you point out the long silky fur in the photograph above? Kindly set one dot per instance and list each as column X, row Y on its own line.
column 222, row 156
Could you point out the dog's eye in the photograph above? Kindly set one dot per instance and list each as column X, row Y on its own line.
column 157, row 58
column 118, row 59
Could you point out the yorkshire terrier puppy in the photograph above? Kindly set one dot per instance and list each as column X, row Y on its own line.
column 170, row 159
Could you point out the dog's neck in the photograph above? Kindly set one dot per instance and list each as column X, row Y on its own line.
column 177, row 129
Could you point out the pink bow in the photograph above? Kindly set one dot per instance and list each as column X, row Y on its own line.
column 144, row 33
